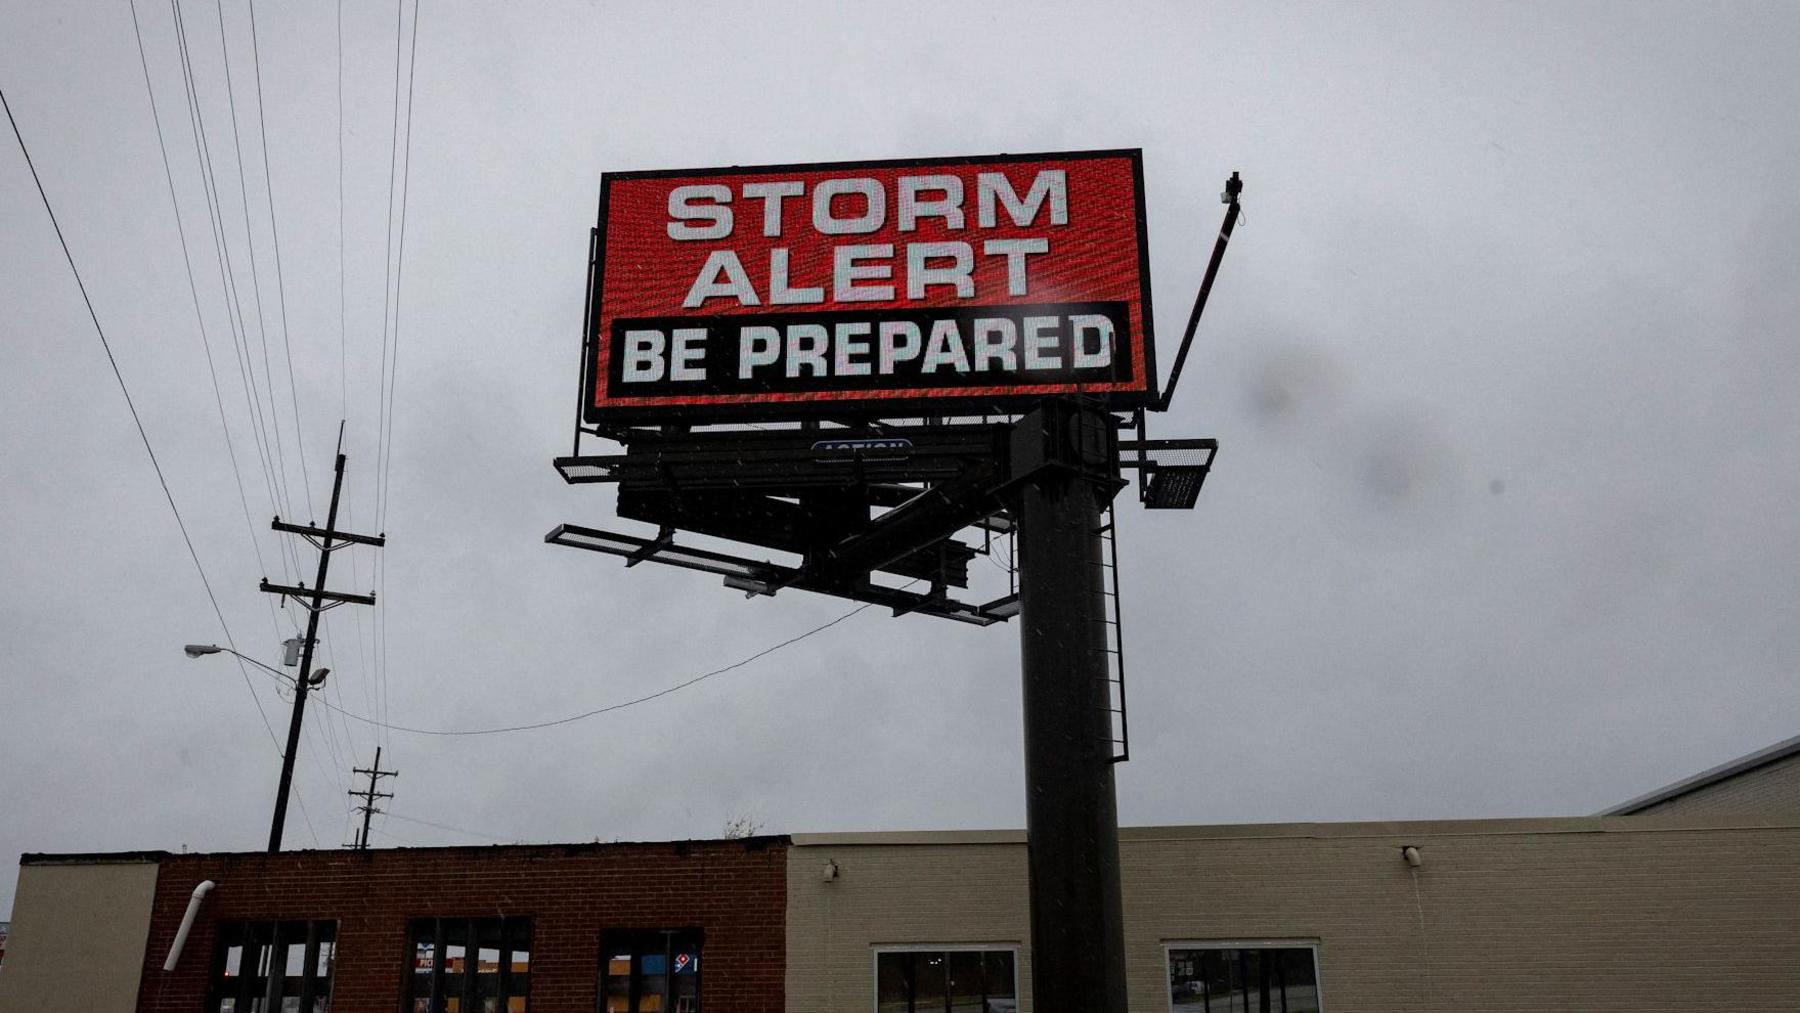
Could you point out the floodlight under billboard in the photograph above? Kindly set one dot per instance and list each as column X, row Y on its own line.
column 869, row 288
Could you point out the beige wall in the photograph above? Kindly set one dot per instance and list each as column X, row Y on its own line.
column 78, row 931
column 960, row 893
column 1639, row 913
column 1774, row 788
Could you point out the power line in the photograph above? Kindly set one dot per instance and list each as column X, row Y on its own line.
column 199, row 317
column 343, row 344
column 287, row 344
column 274, row 478
column 387, row 266
column 443, row 826
column 367, row 672
column 396, row 837
column 255, row 275
column 333, row 686
column 759, row 655
column 765, row 652
column 228, row 280
column 412, row 64
column 144, row 437
column 390, row 311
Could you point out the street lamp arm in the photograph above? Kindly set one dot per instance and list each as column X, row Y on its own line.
column 199, row 650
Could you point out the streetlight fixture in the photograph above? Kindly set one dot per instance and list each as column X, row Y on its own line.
column 300, row 683
column 201, row 650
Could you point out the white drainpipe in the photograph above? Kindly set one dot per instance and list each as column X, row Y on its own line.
column 187, row 922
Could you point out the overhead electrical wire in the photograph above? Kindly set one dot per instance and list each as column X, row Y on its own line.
column 390, row 335
column 274, row 475
column 387, row 263
column 199, row 317
column 337, row 688
column 228, row 284
column 412, row 66
column 287, row 345
column 281, row 499
column 344, row 375
column 343, row 341
column 143, row 437
column 765, row 652
column 646, row 698
column 215, row 221
column 362, row 648
column 403, row 842
column 445, row 826
column 262, row 327
column 412, row 63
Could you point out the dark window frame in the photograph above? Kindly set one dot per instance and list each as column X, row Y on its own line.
column 271, row 937
column 442, row 987
column 641, row 943
column 943, row 949
column 1241, row 948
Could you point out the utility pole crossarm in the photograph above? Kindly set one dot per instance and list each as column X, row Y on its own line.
column 340, row 536
column 303, row 593
column 369, row 795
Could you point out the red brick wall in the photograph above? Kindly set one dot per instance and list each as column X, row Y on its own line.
column 733, row 890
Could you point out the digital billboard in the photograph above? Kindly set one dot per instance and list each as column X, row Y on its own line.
column 928, row 286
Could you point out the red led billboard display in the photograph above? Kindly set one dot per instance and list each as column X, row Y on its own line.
column 871, row 288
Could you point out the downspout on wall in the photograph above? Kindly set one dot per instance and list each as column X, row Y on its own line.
column 187, row 922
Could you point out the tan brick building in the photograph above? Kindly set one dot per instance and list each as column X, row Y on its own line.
column 1766, row 781
column 1631, row 914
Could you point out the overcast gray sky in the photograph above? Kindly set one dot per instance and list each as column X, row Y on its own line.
column 1502, row 363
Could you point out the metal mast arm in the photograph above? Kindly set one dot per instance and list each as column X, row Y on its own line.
column 1233, row 187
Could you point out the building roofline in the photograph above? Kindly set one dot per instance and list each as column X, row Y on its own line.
column 93, row 858
column 1419, row 830
column 1422, row 829
column 759, row 842
column 1742, row 765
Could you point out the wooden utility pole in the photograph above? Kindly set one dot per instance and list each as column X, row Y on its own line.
column 369, row 795
column 315, row 600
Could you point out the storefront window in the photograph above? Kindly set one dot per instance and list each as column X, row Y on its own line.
column 949, row 980
column 470, row 965
column 264, row 967
column 650, row 971
column 1243, row 979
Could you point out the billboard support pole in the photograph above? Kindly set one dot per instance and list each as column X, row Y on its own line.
column 1065, row 464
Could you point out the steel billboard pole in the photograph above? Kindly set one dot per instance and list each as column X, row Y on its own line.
column 1066, row 460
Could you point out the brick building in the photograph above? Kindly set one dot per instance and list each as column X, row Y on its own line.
column 446, row 930
column 1675, row 908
